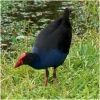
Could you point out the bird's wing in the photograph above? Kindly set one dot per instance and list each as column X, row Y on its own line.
column 42, row 38
column 49, row 29
column 59, row 39
column 57, row 35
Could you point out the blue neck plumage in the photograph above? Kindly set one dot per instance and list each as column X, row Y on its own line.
column 45, row 59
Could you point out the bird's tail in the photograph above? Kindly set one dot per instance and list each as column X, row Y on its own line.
column 66, row 14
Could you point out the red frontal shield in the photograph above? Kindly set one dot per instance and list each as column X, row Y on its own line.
column 20, row 61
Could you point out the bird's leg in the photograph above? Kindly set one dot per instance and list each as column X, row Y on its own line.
column 46, row 79
column 54, row 76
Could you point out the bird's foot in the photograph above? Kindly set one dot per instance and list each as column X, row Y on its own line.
column 55, row 79
column 46, row 79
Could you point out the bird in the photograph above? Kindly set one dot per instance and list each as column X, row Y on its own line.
column 51, row 47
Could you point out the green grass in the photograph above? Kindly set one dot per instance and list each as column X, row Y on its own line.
column 78, row 77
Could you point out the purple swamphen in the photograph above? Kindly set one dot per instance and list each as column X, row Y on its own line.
column 51, row 46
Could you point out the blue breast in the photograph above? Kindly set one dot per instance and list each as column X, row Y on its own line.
column 52, row 58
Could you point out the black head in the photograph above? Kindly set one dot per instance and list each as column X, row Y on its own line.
column 25, row 58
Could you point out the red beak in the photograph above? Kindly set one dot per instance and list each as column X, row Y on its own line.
column 19, row 63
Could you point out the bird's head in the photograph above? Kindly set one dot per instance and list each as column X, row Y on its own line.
column 25, row 58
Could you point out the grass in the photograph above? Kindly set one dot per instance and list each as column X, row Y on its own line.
column 78, row 77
